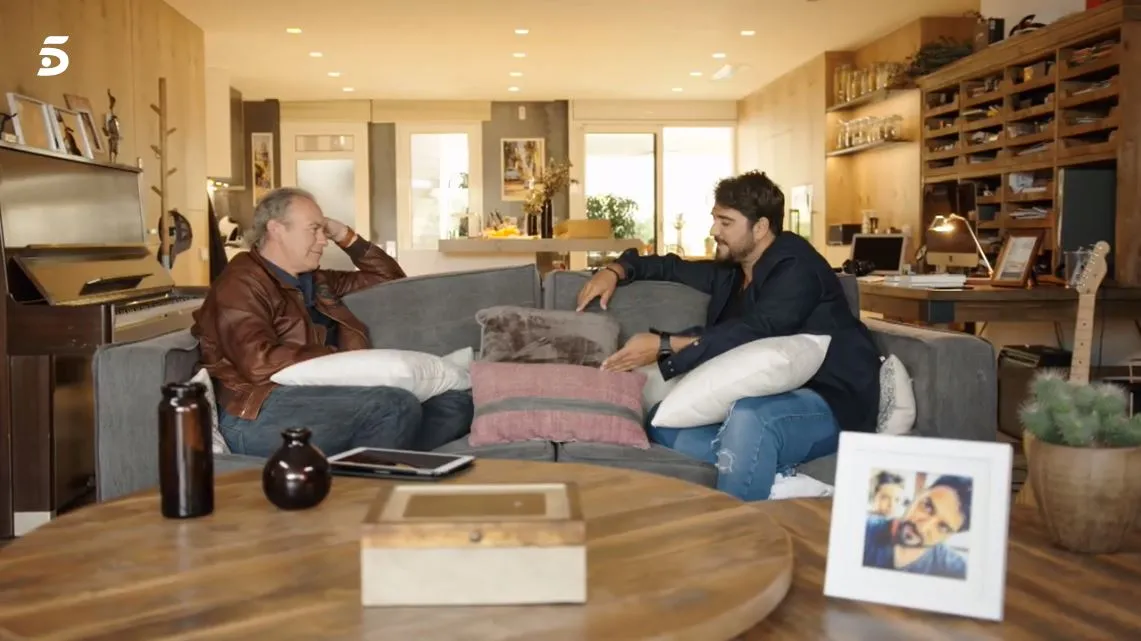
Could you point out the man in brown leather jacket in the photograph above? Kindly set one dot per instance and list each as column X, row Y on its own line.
column 272, row 307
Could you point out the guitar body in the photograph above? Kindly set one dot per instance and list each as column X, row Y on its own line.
column 1087, row 284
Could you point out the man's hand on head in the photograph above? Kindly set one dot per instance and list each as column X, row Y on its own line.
column 336, row 230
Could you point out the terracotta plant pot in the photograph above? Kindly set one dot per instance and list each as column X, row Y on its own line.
column 1088, row 498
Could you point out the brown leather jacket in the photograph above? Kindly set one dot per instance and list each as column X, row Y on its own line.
column 252, row 324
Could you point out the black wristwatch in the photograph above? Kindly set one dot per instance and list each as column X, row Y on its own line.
column 665, row 350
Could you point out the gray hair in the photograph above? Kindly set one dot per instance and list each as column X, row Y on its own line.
column 273, row 206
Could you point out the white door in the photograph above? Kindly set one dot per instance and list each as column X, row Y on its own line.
column 439, row 176
column 331, row 161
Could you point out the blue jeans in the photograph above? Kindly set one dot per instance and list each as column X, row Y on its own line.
column 761, row 436
column 342, row 418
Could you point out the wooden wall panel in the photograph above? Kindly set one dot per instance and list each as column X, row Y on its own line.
column 780, row 130
column 124, row 46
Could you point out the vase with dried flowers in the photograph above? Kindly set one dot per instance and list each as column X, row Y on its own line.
column 537, row 205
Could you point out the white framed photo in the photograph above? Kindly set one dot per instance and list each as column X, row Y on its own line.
column 920, row 523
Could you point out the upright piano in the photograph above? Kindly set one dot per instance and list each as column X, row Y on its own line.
column 78, row 274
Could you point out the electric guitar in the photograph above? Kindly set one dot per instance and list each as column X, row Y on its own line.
column 1086, row 282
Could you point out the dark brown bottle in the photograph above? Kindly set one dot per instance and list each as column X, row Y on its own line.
column 298, row 475
column 185, row 452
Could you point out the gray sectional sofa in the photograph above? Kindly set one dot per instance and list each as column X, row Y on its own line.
column 954, row 374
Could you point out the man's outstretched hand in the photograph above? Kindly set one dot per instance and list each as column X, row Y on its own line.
column 640, row 350
column 600, row 286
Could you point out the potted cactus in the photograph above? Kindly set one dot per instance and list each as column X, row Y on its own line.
column 1083, row 452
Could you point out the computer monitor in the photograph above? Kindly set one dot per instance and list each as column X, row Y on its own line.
column 884, row 251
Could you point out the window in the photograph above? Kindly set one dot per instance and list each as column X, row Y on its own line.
column 655, row 183
column 621, row 183
column 439, row 185
column 438, row 180
column 693, row 160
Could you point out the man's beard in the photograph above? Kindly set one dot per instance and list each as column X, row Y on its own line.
column 733, row 256
column 907, row 535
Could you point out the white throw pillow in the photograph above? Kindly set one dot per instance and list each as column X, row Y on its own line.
column 656, row 387
column 763, row 367
column 897, row 398
column 425, row 375
column 203, row 377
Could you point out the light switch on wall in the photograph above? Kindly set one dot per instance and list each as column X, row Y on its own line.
column 522, row 112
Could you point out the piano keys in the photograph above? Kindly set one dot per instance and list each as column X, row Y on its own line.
column 78, row 275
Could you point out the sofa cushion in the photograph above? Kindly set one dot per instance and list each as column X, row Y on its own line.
column 436, row 313
column 657, row 459
column 555, row 402
column 637, row 306
column 520, row 451
column 529, row 335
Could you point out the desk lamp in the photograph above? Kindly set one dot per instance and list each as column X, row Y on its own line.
column 946, row 225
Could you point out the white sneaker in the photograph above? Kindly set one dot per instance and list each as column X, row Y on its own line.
column 798, row 486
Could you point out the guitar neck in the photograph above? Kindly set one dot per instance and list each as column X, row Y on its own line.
column 1083, row 339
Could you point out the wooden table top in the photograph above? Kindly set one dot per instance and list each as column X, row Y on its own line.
column 666, row 560
column 988, row 293
column 1050, row 593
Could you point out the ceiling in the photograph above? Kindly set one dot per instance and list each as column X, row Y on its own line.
column 575, row 49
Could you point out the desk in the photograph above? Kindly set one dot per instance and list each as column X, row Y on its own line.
column 983, row 303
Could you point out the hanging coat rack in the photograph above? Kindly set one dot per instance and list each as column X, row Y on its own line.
column 165, row 224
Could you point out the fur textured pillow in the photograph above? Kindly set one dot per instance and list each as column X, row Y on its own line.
column 532, row 335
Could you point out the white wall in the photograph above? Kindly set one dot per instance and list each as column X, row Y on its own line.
column 1045, row 11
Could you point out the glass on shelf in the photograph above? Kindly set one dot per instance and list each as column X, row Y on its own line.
column 894, row 130
column 840, row 84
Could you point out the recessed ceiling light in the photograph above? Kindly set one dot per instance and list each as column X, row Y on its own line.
column 334, row 74
column 292, row 30
column 348, row 90
column 516, row 74
column 748, row 32
column 519, row 54
column 522, row 32
column 719, row 55
column 678, row 89
column 695, row 74
column 315, row 54
column 513, row 89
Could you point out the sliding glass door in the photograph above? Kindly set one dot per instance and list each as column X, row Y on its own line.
column 655, row 183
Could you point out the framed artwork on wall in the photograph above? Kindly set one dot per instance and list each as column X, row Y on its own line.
column 261, row 155
column 521, row 161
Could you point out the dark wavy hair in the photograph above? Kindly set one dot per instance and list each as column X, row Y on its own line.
column 755, row 196
column 963, row 487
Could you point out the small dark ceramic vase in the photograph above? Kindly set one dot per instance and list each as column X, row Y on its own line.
column 297, row 476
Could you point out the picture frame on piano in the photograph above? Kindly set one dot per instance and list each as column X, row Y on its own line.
column 34, row 122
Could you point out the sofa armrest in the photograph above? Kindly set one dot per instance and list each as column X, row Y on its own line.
column 128, row 387
column 955, row 377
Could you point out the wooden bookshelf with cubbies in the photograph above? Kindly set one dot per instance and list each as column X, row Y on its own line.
column 1024, row 116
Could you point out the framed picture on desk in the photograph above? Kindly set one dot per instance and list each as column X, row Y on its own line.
column 1017, row 257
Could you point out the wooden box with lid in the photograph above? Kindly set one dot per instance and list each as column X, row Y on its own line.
column 462, row 545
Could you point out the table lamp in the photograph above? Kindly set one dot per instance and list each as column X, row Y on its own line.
column 945, row 225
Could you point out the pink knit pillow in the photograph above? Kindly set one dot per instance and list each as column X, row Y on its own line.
column 555, row 402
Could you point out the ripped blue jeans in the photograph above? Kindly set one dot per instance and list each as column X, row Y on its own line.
column 761, row 436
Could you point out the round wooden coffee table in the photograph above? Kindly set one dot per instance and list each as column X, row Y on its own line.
column 1050, row 593
column 666, row 560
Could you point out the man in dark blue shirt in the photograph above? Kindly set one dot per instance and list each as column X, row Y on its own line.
column 764, row 282
column 916, row 542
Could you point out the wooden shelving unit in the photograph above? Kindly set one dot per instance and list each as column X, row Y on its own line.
column 1010, row 117
column 880, row 177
